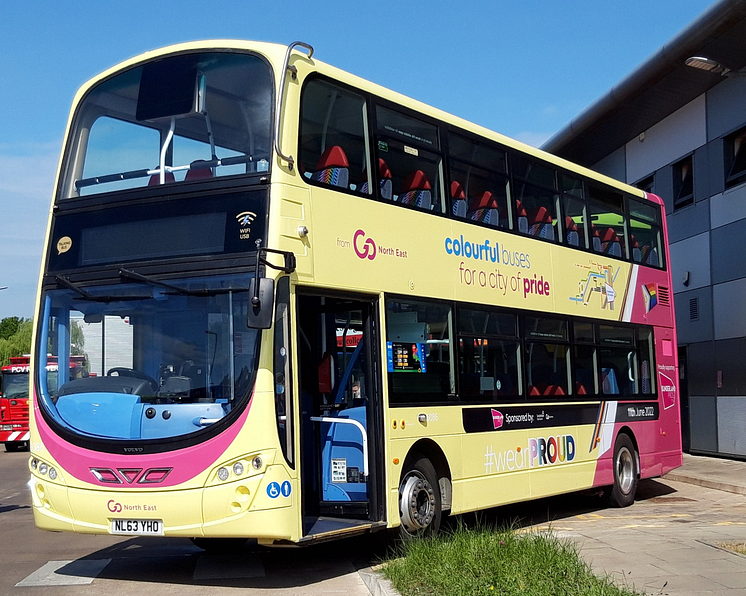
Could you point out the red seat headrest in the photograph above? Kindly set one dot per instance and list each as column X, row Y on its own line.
column 485, row 200
column 457, row 192
column 570, row 224
column 333, row 157
column 541, row 215
column 155, row 179
column 416, row 181
column 383, row 169
column 610, row 235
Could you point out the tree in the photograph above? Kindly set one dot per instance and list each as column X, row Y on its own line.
column 9, row 326
column 18, row 344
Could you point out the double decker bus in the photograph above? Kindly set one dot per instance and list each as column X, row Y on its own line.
column 340, row 310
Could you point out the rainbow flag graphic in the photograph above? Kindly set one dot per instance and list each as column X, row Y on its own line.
column 650, row 296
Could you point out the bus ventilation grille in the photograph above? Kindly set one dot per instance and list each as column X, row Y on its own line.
column 664, row 296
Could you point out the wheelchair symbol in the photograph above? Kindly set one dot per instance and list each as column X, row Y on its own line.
column 273, row 490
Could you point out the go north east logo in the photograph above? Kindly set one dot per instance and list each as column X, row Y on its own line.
column 368, row 249
column 244, row 222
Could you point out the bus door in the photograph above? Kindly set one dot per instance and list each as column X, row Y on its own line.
column 341, row 450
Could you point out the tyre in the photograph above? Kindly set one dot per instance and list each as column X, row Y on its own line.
column 419, row 500
column 622, row 493
column 219, row 545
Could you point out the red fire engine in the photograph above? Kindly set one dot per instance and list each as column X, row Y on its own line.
column 14, row 431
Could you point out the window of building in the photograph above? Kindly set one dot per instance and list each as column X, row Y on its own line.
column 489, row 354
column 333, row 144
column 683, row 183
column 735, row 158
column 408, row 151
column 646, row 184
column 419, row 353
column 479, row 189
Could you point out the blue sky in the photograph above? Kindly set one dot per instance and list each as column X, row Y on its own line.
column 523, row 68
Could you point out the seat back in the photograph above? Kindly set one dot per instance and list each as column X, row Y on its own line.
column 610, row 244
column 521, row 217
column 332, row 168
column 155, row 179
column 196, row 172
column 484, row 208
column 458, row 200
column 384, row 176
column 572, row 237
column 540, row 223
column 416, row 190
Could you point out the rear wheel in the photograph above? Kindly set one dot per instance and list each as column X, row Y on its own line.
column 419, row 500
column 622, row 493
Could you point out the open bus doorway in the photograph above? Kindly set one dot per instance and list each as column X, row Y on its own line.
column 341, row 448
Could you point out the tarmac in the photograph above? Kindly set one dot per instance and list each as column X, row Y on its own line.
column 669, row 543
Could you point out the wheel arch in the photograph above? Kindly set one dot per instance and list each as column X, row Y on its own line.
column 433, row 452
column 626, row 430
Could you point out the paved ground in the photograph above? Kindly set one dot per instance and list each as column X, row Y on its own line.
column 663, row 544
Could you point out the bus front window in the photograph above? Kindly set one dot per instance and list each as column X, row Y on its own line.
column 183, row 118
column 157, row 363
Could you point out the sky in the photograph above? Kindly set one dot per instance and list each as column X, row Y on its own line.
column 523, row 68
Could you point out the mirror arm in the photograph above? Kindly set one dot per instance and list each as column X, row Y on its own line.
column 261, row 259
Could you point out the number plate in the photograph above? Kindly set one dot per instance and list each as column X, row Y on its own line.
column 137, row 527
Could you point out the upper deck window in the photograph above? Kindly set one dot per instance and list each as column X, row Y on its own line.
column 180, row 118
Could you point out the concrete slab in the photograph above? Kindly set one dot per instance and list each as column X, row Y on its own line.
column 65, row 573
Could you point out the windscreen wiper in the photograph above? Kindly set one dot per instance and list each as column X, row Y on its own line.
column 134, row 275
column 63, row 281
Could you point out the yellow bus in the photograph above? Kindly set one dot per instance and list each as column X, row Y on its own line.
column 311, row 307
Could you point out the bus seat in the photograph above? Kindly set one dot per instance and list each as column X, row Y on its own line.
column 572, row 237
column 484, row 209
column 609, row 385
column 384, row 176
column 553, row 390
column 155, row 179
column 416, row 190
column 610, row 244
column 458, row 200
column 649, row 255
column 596, row 239
column 332, row 168
column 580, row 389
column 540, row 223
column 195, row 172
column 645, row 377
column 521, row 217
column 636, row 252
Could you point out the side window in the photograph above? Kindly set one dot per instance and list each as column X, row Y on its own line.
column 735, row 158
column 646, row 355
column 333, row 144
column 645, row 239
column 547, row 357
column 419, row 352
column 479, row 189
column 683, row 183
column 618, row 361
column 489, row 355
column 576, row 212
column 283, row 398
column 536, row 200
column 607, row 233
column 409, row 154
column 585, row 360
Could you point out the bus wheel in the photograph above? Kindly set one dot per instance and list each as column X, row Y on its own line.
column 419, row 500
column 219, row 545
column 622, row 493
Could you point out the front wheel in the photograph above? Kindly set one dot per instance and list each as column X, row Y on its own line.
column 622, row 493
column 419, row 500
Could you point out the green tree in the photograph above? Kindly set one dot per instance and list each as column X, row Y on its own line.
column 18, row 344
column 9, row 326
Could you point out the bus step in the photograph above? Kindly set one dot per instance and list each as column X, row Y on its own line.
column 327, row 528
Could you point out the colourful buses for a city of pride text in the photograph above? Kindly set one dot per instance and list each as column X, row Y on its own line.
column 313, row 307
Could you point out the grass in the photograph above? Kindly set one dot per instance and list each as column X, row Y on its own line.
column 736, row 547
column 471, row 561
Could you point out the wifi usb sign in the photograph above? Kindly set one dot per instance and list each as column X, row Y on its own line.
column 244, row 220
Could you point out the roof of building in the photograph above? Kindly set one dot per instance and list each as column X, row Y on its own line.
column 658, row 87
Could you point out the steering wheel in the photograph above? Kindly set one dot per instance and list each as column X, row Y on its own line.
column 121, row 371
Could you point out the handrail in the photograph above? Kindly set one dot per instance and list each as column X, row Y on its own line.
column 285, row 67
column 355, row 423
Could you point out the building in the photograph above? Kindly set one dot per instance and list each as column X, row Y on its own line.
column 680, row 132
